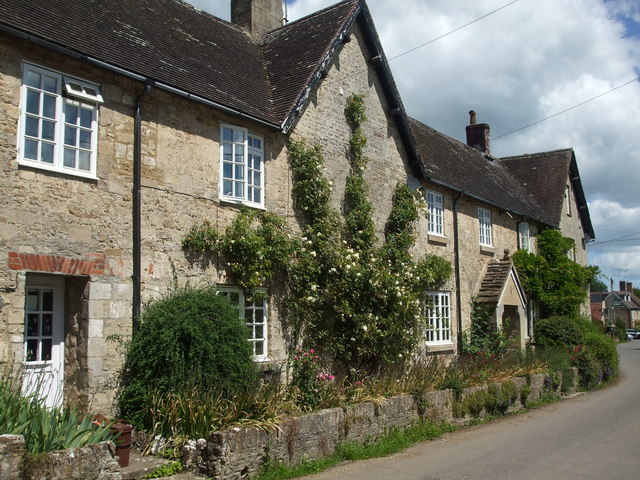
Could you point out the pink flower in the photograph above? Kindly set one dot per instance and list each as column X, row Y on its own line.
column 312, row 351
column 296, row 357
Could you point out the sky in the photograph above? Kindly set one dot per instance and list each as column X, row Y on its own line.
column 574, row 63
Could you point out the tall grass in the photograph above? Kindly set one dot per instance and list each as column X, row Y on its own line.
column 44, row 429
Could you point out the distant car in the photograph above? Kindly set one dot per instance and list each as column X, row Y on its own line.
column 632, row 334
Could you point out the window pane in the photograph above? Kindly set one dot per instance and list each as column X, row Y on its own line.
column 238, row 136
column 227, row 152
column 227, row 134
column 227, row 170
column 239, row 157
column 46, row 350
column 239, row 172
column 48, row 130
column 258, row 332
column 47, row 300
column 248, row 315
column 49, row 106
column 47, row 153
column 85, row 117
column 85, row 139
column 33, row 102
column 259, row 348
column 32, row 350
column 69, row 158
column 31, row 149
column 33, row 79
column 70, row 136
column 47, row 325
column 239, row 190
column 227, row 187
column 32, row 325
column 84, row 160
column 50, row 84
column 32, row 127
column 32, row 300
column 70, row 114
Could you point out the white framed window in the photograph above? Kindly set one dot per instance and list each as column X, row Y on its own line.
column 484, row 221
column 435, row 204
column 524, row 236
column 58, row 128
column 254, row 313
column 567, row 197
column 437, row 314
column 242, row 166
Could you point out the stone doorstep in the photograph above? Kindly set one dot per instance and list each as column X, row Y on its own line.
column 139, row 466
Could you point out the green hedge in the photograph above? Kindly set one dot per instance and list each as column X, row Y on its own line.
column 191, row 338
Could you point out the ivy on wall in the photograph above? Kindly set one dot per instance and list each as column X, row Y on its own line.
column 345, row 292
column 551, row 277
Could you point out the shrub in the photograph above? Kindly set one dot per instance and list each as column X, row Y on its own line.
column 558, row 331
column 193, row 337
column 604, row 351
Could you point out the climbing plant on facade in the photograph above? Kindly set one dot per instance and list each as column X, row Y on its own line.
column 551, row 277
column 355, row 298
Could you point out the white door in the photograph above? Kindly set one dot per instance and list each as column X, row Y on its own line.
column 44, row 339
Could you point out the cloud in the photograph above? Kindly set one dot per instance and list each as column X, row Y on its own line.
column 526, row 62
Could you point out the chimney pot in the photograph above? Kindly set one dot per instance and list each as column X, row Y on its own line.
column 629, row 287
column 623, row 286
column 472, row 117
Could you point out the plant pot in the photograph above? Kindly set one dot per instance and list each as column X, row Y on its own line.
column 123, row 442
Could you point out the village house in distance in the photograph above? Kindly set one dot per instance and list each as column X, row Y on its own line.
column 127, row 122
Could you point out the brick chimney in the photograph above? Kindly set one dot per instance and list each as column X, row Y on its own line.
column 478, row 134
column 626, row 286
column 257, row 17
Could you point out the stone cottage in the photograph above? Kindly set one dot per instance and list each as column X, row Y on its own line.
column 126, row 122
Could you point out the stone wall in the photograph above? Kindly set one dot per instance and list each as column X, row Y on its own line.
column 93, row 462
column 240, row 453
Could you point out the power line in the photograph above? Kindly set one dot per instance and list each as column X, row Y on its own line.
column 568, row 109
column 624, row 238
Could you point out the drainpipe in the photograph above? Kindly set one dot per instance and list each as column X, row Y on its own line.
column 137, row 217
column 456, row 259
column 518, row 243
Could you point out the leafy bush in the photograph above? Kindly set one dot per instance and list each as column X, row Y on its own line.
column 193, row 337
column 558, row 331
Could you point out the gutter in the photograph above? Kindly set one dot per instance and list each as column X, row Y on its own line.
column 136, row 275
column 456, row 259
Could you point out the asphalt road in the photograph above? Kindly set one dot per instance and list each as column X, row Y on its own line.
column 591, row 436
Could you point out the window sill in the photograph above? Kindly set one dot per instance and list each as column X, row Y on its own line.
column 241, row 203
column 487, row 250
column 440, row 347
column 437, row 239
column 66, row 172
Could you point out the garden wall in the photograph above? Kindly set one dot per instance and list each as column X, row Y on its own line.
column 240, row 453
column 93, row 462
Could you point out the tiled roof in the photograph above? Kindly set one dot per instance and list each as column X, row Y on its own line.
column 494, row 281
column 294, row 53
column 544, row 175
column 463, row 168
column 171, row 42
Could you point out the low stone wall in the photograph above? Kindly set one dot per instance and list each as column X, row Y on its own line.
column 239, row 453
column 92, row 462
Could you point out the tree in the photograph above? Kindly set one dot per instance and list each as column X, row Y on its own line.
column 597, row 285
column 550, row 277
